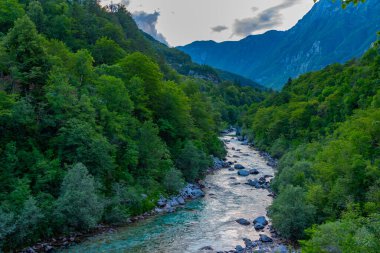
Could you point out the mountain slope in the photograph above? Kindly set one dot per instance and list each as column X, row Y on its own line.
column 327, row 34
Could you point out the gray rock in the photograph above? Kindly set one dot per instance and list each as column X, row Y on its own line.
column 265, row 238
column 261, row 219
column 259, row 226
column 207, row 248
column 254, row 171
column 180, row 200
column 239, row 167
column 280, row 249
column 197, row 193
column 161, row 202
column 173, row 202
column 239, row 248
column 243, row 173
column 253, row 182
column 243, row 221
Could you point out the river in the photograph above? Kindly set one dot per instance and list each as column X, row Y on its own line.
column 209, row 221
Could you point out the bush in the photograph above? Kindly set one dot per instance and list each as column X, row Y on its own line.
column 173, row 181
column 290, row 214
column 78, row 206
column 192, row 162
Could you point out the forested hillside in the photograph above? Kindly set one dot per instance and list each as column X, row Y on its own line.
column 95, row 122
column 327, row 34
column 325, row 127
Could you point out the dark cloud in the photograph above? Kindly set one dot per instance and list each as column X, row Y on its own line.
column 266, row 19
column 147, row 22
column 219, row 28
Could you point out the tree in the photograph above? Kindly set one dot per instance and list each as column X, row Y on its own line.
column 78, row 206
column 10, row 11
column 27, row 224
column 154, row 156
column 192, row 162
column 290, row 213
column 345, row 235
column 173, row 180
column 79, row 142
column 36, row 14
column 29, row 64
column 107, row 51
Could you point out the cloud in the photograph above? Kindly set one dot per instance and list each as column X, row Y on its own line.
column 147, row 22
column 219, row 28
column 125, row 2
column 266, row 19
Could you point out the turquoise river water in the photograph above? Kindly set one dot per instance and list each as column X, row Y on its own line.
column 209, row 221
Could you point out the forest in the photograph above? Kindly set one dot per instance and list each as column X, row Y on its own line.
column 94, row 115
column 324, row 127
column 98, row 120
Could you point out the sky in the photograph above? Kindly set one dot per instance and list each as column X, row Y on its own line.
column 180, row 22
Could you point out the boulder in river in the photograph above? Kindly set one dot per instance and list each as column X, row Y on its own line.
column 239, row 167
column 239, row 248
column 243, row 173
column 254, row 182
column 254, row 171
column 259, row 226
column 206, row 248
column 261, row 219
column 265, row 238
column 243, row 221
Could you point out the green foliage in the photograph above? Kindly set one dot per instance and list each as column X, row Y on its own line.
column 78, row 206
column 107, row 51
column 27, row 56
column 10, row 11
column 95, row 122
column 346, row 235
column 290, row 214
column 192, row 162
column 324, row 128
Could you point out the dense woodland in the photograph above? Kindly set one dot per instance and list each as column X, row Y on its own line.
column 95, row 121
column 325, row 128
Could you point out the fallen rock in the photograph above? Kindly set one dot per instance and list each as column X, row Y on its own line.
column 243, row 221
column 259, row 226
column 180, row 200
column 265, row 238
column 161, row 202
column 254, row 171
column 239, row 248
column 208, row 248
column 239, row 167
column 261, row 219
column 243, row 173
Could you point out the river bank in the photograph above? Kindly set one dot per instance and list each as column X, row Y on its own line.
column 236, row 192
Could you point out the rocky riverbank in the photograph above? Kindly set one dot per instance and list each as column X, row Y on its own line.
column 229, row 214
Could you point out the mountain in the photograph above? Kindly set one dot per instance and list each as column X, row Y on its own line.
column 326, row 34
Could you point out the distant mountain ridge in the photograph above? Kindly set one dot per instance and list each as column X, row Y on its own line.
column 326, row 34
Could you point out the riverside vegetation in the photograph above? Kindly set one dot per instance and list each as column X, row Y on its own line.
column 95, row 114
column 95, row 124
